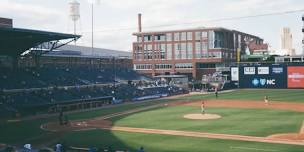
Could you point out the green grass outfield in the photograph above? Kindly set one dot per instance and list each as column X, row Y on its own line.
column 271, row 122
column 251, row 122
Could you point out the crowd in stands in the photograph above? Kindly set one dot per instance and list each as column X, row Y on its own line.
column 51, row 85
column 47, row 76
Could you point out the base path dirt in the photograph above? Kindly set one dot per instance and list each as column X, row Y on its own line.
column 291, row 136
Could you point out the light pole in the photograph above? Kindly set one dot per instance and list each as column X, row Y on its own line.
column 92, row 7
column 92, row 2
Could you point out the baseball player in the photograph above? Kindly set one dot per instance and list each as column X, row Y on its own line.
column 266, row 100
column 203, row 108
column 216, row 92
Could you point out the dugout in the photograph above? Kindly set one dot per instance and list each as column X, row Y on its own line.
column 181, row 81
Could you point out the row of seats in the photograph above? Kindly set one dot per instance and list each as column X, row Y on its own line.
column 46, row 76
column 43, row 97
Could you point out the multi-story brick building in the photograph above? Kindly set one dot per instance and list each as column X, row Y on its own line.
column 192, row 52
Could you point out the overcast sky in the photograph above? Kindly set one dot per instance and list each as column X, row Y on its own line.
column 53, row 15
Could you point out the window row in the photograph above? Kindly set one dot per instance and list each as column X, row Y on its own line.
column 184, row 65
column 142, row 66
column 178, row 36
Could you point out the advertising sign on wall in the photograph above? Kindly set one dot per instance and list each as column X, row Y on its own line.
column 234, row 74
column 295, row 77
column 249, row 70
column 263, row 70
column 263, row 76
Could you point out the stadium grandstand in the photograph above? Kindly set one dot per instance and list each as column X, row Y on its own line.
column 39, row 74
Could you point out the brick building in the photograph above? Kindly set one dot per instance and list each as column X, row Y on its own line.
column 192, row 52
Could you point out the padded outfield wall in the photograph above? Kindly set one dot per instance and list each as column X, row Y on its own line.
column 278, row 76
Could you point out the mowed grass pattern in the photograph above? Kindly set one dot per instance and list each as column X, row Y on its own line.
column 252, row 122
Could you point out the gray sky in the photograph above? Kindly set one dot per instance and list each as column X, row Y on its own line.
column 53, row 15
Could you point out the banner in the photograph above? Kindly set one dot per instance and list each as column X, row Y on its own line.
column 295, row 77
column 263, row 76
column 234, row 74
column 249, row 70
column 263, row 70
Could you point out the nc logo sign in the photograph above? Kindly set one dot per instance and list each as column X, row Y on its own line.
column 271, row 82
column 263, row 82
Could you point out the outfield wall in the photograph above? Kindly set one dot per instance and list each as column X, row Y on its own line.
column 279, row 76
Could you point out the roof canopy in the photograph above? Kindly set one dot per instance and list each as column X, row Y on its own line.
column 14, row 41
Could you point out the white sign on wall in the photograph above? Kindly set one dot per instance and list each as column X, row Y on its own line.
column 263, row 70
column 249, row 70
column 234, row 74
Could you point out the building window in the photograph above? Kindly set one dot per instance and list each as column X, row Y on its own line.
column 184, row 50
column 139, row 38
column 162, row 51
column 169, row 36
column 215, row 54
column 198, row 35
column 204, row 49
column 190, row 50
column 198, row 49
column 204, row 34
column 176, row 36
column 163, row 66
column 169, row 51
column 218, row 39
column 205, row 66
column 177, row 51
column 160, row 37
column 211, row 39
column 189, row 35
column 147, row 38
column 148, row 52
column 142, row 66
column 184, row 36
column 183, row 65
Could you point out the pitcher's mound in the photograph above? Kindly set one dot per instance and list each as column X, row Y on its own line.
column 199, row 116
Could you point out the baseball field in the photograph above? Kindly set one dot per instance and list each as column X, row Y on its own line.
column 244, row 123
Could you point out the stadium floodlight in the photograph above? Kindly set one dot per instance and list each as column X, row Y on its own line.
column 92, row 2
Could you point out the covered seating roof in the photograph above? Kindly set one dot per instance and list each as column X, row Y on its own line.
column 14, row 41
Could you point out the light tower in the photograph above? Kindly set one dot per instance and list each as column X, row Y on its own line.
column 74, row 13
column 92, row 2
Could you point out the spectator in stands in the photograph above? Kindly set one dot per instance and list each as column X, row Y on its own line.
column 27, row 148
column 141, row 149
column 58, row 147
